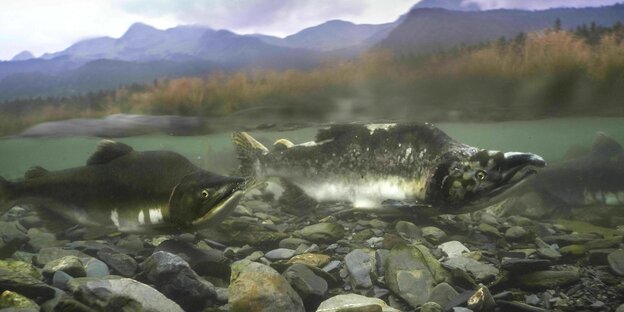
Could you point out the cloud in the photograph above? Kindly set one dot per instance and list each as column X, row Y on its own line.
column 537, row 4
column 277, row 17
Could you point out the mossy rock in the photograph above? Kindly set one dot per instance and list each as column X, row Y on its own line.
column 21, row 267
column 9, row 299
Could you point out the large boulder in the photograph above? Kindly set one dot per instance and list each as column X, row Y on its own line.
column 175, row 279
column 121, row 294
column 353, row 302
column 255, row 287
column 411, row 272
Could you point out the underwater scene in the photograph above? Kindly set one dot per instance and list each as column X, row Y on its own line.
column 328, row 156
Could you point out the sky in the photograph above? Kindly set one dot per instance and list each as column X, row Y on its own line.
column 48, row 26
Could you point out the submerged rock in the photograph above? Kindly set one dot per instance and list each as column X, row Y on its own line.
column 353, row 302
column 279, row 254
column 321, row 232
column 9, row 299
column 48, row 254
column 257, row 287
column 411, row 272
column 311, row 259
column 121, row 263
column 308, row 285
column 175, row 279
column 433, row 234
column 68, row 264
column 548, row 279
column 442, row 294
column 480, row 271
column 20, row 267
column 453, row 248
column 12, row 236
column 360, row 264
column 616, row 262
column 120, row 294
column 25, row 284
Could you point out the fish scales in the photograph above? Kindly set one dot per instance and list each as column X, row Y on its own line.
column 367, row 164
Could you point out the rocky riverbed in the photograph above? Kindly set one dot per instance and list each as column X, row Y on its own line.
column 270, row 257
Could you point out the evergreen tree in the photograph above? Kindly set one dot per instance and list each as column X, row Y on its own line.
column 557, row 25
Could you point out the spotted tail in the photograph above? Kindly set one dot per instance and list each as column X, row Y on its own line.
column 248, row 152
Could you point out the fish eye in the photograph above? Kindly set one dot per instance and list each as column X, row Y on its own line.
column 205, row 193
column 480, row 175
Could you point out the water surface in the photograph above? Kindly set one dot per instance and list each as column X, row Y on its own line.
column 550, row 138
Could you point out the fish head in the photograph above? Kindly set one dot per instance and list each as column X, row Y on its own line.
column 481, row 178
column 204, row 197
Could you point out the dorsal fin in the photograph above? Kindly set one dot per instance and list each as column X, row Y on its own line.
column 108, row 150
column 576, row 151
column 282, row 144
column 605, row 145
column 35, row 172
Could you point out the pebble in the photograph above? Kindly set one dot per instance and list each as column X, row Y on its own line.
column 96, row 268
column 453, row 248
column 307, row 284
column 431, row 307
column 532, row 299
column 442, row 294
column 331, row 266
column 121, row 264
column 480, row 271
column 293, row 242
column 433, row 234
column 360, row 264
column 311, row 259
column 257, row 287
column 616, row 261
column 515, row 233
column 548, row 279
column 68, row 264
column 354, row 303
column 322, row 232
column 60, row 280
column 524, row 265
column 279, row 254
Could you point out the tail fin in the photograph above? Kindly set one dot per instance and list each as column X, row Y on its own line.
column 248, row 152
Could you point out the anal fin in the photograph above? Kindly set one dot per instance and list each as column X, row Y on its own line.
column 294, row 200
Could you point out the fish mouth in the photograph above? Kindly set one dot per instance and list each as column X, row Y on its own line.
column 226, row 199
column 520, row 167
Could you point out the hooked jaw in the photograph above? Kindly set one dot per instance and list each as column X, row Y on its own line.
column 516, row 168
column 203, row 197
column 467, row 185
column 227, row 199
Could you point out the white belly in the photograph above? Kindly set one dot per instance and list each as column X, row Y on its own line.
column 362, row 193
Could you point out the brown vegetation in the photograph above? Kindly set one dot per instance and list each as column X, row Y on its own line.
column 554, row 73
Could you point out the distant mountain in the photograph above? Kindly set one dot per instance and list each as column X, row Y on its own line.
column 140, row 43
column 234, row 50
column 23, row 56
column 333, row 35
column 429, row 30
column 453, row 5
column 97, row 75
